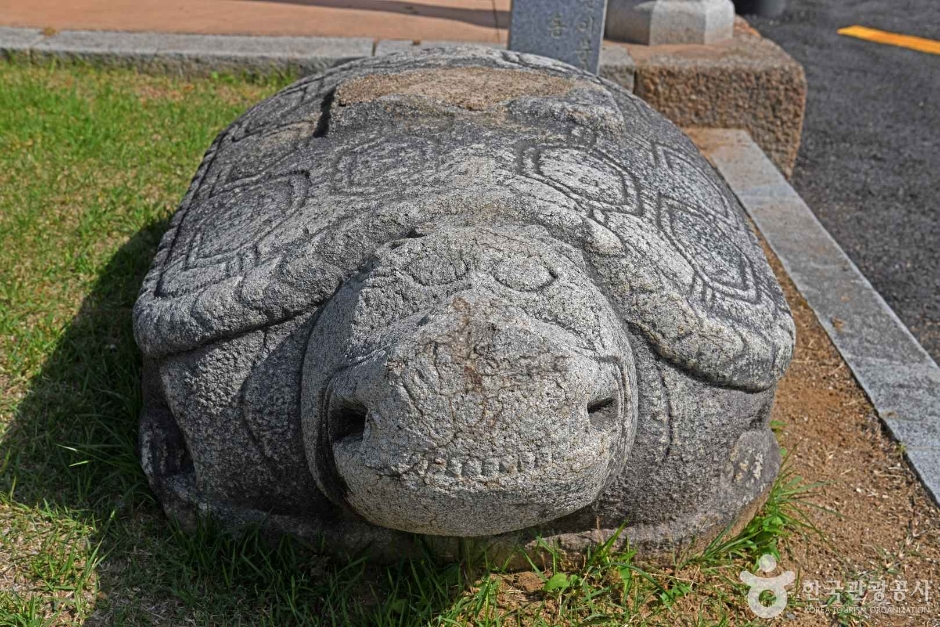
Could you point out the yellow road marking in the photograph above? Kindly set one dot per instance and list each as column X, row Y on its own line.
column 892, row 39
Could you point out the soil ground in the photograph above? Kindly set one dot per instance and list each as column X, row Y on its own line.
column 883, row 527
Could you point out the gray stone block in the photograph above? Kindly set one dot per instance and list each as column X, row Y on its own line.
column 568, row 30
column 898, row 375
column 657, row 22
column 18, row 39
column 306, row 55
column 337, row 48
column 99, row 46
column 926, row 464
column 617, row 66
column 467, row 293
column 201, row 54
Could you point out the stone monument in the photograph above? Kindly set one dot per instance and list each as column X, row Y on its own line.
column 465, row 293
column 568, row 30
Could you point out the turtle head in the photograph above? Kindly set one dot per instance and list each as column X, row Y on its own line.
column 468, row 382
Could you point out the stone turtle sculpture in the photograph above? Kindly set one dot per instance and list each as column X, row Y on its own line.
column 461, row 293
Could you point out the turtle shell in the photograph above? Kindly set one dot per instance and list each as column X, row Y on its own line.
column 299, row 192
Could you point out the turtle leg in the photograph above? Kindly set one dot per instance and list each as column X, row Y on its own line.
column 164, row 455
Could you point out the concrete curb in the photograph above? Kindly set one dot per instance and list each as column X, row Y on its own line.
column 186, row 54
column 204, row 54
column 900, row 378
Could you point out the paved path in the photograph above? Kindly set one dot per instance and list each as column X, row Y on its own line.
column 869, row 165
column 447, row 20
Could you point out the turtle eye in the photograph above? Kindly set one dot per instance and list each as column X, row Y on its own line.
column 524, row 275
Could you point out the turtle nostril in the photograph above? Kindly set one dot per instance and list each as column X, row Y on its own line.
column 348, row 420
column 602, row 413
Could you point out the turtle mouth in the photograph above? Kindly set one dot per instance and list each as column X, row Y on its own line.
column 465, row 488
column 347, row 426
column 456, row 468
column 467, row 496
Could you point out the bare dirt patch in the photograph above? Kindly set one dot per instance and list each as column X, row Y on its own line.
column 884, row 529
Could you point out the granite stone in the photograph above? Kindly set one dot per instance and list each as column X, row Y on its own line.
column 618, row 66
column 747, row 82
column 93, row 45
column 659, row 22
column 14, row 40
column 568, row 30
column 463, row 293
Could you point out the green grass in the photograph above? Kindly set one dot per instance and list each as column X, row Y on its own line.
column 92, row 164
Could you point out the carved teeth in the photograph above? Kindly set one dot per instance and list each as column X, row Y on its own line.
column 474, row 468
column 438, row 466
column 491, row 467
column 527, row 462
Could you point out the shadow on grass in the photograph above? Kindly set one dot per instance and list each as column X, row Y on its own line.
column 70, row 457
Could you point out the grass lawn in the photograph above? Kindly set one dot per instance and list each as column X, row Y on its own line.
column 92, row 164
